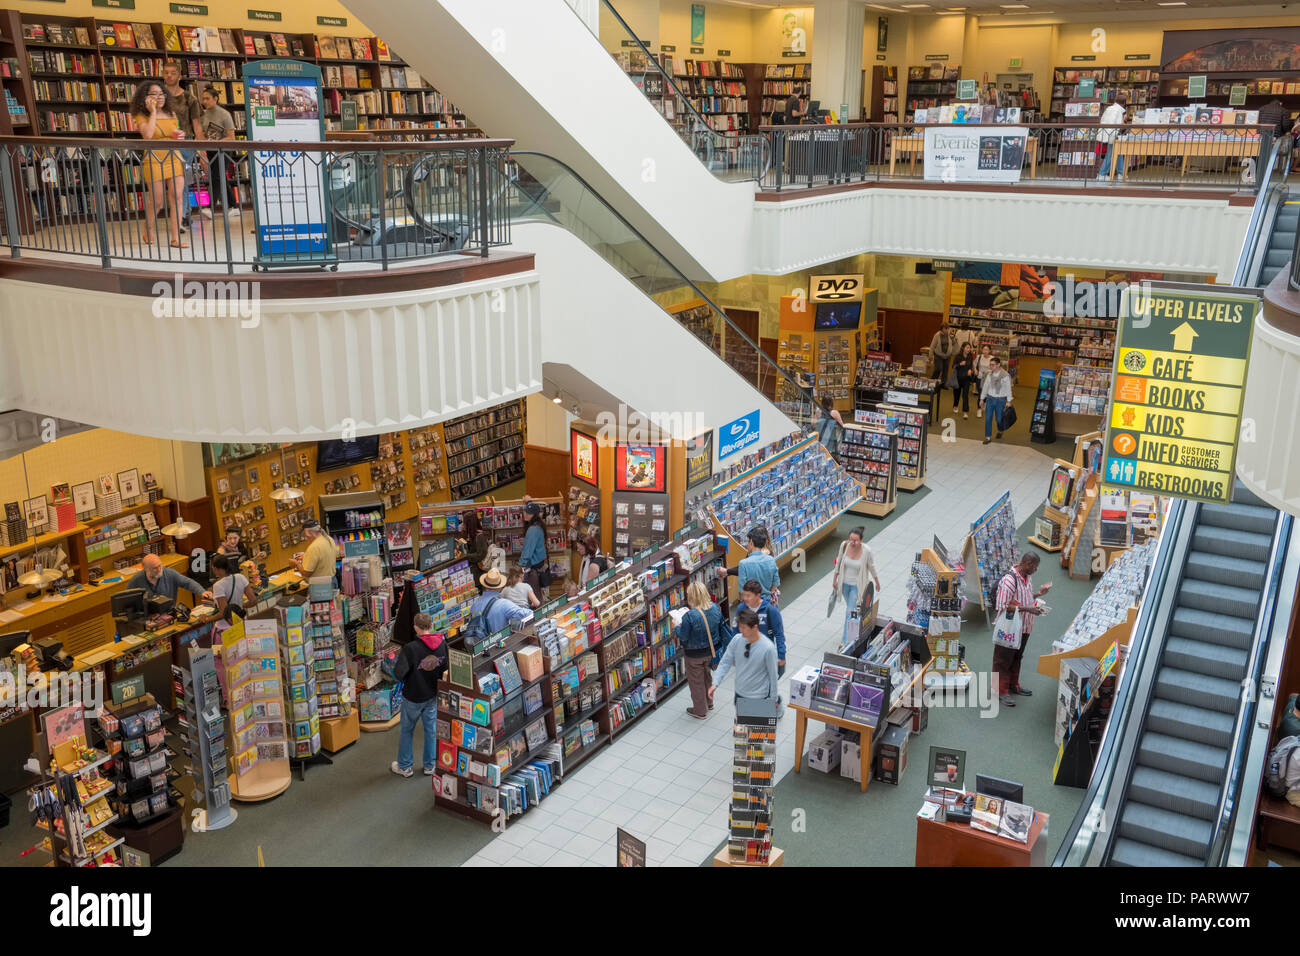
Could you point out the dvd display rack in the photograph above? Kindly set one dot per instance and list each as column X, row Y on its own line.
column 912, row 425
column 870, row 454
column 1065, row 339
column 1042, row 424
column 753, row 780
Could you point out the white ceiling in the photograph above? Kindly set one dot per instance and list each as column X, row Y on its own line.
column 1117, row 9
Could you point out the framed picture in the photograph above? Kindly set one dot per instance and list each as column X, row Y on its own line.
column 699, row 459
column 947, row 768
column 37, row 511
column 128, row 483
column 150, row 483
column 640, row 468
column 223, row 485
column 582, row 455
column 83, row 497
column 107, row 485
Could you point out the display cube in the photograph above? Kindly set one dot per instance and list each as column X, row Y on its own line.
column 338, row 732
column 802, row 684
column 380, row 704
column 824, row 752
column 529, row 660
column 851, row 759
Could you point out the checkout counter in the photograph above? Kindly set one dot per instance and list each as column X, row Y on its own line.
column 122, row 650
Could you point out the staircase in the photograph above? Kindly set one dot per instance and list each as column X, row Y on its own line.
column 1281, row 241
column 1169, row 809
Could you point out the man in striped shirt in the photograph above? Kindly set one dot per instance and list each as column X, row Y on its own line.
column 1016, row 592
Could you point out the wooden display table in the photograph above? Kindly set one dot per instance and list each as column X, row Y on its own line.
column 1234, row 147
column 960, row 844
column 867, row 732
column 775, row 858
column 914, row 145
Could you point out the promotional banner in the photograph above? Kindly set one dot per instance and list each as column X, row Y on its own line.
column 838, row 288
column 738, row 434
column 1180, row 379
column 290, row 205
column 975, row 154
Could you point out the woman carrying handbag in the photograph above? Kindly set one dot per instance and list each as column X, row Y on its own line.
column 701, row 637
column 854, row 567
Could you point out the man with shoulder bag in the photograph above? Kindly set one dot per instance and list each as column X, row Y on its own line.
column 1017, row 606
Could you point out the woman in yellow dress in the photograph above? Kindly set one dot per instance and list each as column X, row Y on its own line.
column 154, row 117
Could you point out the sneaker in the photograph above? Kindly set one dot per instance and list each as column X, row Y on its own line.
column 1006, row 700
column 182, row 226
column 429, row 771
column 987, row 440
column 979, row 413
column 400, row 771
column 205, row 212
column 964, row 415
column 998, row 435
column 695, row 715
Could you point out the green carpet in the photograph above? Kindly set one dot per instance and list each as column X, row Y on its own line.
column 973, row 427
column 824, row 820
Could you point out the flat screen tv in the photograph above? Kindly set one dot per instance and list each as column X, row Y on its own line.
column 842, row 316
column 341, row 454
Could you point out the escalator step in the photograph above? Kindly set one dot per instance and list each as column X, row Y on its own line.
column 1174, row 719
column 1204, row 566
column 1216, row 628
column 1185, row 757
column 1202, row 657
column 1185, row 687
column 1240, row 516
column 1165, row 830
column 1242, row 495
column 1230, row 542
column 1219, row 598
column 1174, row 792
column 1135, row 853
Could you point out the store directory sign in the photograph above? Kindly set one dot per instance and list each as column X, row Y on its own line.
column 1176, row 396
column 290, row 204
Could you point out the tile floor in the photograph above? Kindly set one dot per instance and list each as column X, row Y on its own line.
column 667, row 780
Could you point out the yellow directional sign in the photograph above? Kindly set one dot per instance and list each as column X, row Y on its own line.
column 1180, row 376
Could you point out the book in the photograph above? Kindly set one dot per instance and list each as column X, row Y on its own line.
column 107, row 35
column 172, row 38
column 143, row 36
column 191, row 40
column 280, row 44
column 1015, row 822
column 298, row 49
column 361, row 48
column 125, row 37
column 327, row 50
column 211, row 40
column 249, row 47
column 227, row 37
column 381, row 49
column 260, row 46
column 509, row 671
column 987, row 813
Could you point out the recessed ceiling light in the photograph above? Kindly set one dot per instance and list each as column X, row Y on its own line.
column 914, row 6
column 1014, row 6
column 1171, row 3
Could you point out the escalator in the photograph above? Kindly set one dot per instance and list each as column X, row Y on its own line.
column 1178, row 773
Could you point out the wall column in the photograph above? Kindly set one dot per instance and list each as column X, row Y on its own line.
column 837, row 55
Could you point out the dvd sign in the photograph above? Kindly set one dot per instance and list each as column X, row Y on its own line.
column 838, row 288
column 738, row 434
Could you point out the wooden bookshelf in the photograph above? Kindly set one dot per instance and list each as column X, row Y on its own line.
column 781, row 81
column 1139, row 84
column 930, row 86
column 885, row 95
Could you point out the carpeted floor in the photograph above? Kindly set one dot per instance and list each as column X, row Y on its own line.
column 973, row 427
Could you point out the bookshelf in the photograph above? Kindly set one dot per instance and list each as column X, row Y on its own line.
column 485, row 450
column 782, row 80
column 1056, row 338
column 1140, row 85
column 884, row 95
column 930, row 86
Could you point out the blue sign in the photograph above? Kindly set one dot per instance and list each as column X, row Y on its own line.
column 738, row 434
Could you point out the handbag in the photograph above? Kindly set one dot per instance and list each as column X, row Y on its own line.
column 1007, row 630
column 1008, row 417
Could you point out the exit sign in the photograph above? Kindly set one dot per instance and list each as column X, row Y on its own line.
column 1014, row 63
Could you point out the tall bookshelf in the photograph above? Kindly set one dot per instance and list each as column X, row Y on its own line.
column 930, row 86
column 1141, row 85
column 885, row 95
column 485, row 450
column 782, row 80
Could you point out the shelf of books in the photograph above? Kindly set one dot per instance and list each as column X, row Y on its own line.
column 1057, row 338
column 929, row 87
column 781, row 81
column 1080, row 399
column 84, row 70
column 485, row 450
column 1140, row 86
column 869, row 452
column 884, row 95
column 504, row 521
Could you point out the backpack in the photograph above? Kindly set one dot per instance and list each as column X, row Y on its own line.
column 1282, row 772
column 477, row 629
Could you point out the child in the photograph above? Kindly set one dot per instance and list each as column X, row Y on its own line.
column 518, row 591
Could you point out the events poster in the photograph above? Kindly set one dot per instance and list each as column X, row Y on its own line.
column 976, row 154
column 290, row 203
column 640, row 468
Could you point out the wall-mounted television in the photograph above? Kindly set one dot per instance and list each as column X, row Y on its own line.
column 839, row 316
column 341, row 454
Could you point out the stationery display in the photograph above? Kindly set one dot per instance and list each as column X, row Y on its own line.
column 255, row 699
column 753, row 782
column 200, row 690
column 991, row 549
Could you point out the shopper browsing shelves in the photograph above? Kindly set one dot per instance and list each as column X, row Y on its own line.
column 770, row 624
column 1016, row 594
column 190, row 116
column 218, row 124
column 995, row 395
column 321, row 557
column 419, row 667
column 518, row 591
column 153, row 113
column 855, row 565
column 156, row 580
column 753, row 657
column 963, row 373
column 496, row 612
column 593, row 562
column 983, row 365
column 943, row 347
column 477, row 541
column 231, row 589
column 230, row 544
column 533, row 558
column 1111, row 122
column 830, row 426
column 758, row 565
column 700, row 634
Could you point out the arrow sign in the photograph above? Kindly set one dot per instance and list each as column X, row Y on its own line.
column 1183, row 336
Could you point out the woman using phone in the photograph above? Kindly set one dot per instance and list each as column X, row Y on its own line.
column 155, row 119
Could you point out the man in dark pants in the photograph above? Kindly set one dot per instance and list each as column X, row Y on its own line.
column 1015, row 591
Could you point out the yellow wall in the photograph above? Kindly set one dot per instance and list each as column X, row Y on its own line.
column 725, row 28
column 547, row 423
column 935, row 35
column 87, row 455
column 297, row 16
column 994, row 48
column 768, row 41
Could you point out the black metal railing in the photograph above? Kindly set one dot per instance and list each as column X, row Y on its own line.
column 193, row 204
column 1152, row 157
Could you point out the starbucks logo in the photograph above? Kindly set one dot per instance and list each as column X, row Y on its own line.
column 1135, row 361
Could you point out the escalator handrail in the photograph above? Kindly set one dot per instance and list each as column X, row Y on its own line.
column 1101, row 785
column 1247, row 257
column 717, row 310
column 695, row 114
column 1225, row 817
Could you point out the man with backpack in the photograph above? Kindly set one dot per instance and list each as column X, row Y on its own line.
column 419, row 667
column 490, row 612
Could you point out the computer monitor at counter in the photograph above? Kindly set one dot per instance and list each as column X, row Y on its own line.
column 127, row 604
column 1003, row 789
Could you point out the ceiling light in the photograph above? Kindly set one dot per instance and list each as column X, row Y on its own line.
column 181, row 528
column 286, row 493
column 557, row 400
column 1171, row 3
column 1014, row 6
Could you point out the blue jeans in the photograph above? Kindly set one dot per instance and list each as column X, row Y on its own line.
column 850, row 592
column 426, row 713
column 993, row 413
column 1105, row 163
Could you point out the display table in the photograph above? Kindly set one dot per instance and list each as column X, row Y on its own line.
column 1233, row 147
column 867, row 732
column 960, row 844
column 914, row 145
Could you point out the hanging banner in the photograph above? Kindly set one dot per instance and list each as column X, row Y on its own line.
column 1180, row 379
column 290, row 204
column 697, row 24
column 981, row 154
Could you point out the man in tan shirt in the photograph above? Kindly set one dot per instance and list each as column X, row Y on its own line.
column 321, row 558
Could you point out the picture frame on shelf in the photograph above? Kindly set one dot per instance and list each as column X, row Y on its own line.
column 128, row 482
column 37, row 512
column 640, row 468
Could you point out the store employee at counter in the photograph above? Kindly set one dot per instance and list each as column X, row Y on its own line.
column 321, row 556
column 157, row 580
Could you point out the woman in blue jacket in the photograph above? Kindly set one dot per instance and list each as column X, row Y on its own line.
column 700, row 636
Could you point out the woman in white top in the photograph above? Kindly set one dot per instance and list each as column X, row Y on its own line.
column 518, row 591
column 854, row 566
column 983, row 362
column 231, row 591
column 995, row 394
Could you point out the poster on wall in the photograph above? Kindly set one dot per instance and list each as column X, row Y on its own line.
column 582, row 457
column 699, row 459
column 980, row 154
column 640, row 468
column 697, row 24
column 793, row 38
column 290, row 204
